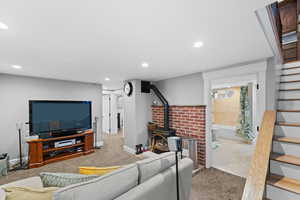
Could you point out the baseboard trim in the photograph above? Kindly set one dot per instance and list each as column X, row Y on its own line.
column 128, row 149
column 16, row 161
column 99, row 144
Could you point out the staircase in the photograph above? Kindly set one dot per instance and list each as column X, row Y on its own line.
column 283, row 181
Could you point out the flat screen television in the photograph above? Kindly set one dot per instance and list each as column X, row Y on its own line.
column 59, row 117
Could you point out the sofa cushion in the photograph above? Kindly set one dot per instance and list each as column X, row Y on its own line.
column 106, row 187
column 24, row 193
column 63, row 179
column 32, row 182
column 152, row 166
column 163, row 185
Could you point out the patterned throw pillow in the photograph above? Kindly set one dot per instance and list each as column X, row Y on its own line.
column 63, row 179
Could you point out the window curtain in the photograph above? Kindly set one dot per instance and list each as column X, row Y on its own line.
column 245, row 129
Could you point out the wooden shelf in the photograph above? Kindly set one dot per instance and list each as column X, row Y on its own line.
column 62, row 148
column 62, row 137
column 38, row 156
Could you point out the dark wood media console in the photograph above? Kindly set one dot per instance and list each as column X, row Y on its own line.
column 43, row 151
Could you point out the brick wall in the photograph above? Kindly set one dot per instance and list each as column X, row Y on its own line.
column 187, row 121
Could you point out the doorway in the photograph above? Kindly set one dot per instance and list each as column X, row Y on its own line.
column 233, row 129
column 106, row 109
column 113, row 112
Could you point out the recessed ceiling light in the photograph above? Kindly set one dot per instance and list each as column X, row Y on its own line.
column 3, row 26
column 16, row 66
column 107, row 79
column 198, row 44
column 145, row 65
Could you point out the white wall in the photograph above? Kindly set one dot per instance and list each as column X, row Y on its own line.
column 183, row 90
column 272, row 83
column 137, row 113
column 16, row 91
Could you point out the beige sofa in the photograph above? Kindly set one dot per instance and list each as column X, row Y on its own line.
column 148, row 179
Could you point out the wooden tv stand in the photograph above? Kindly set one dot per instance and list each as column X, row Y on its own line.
column 42, row 151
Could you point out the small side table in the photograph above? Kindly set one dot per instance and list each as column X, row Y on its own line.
column 4, row 165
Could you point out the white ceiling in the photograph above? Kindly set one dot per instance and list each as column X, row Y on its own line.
column 88, row 40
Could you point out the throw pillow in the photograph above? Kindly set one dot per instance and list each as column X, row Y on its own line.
column 23, row 193
column 63, row 179
column 97, row 170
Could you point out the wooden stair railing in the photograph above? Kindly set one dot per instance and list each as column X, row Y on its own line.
column 256, row 180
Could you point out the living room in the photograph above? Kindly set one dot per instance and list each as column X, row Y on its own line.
column 108, row 100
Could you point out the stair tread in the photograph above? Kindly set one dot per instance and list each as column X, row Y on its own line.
column 294, row 61
column 291, row 74
column 280, row 110
column 287, row 139
column 285, row 158
column 288, row 68
column 287, row 124
column 295, row 81
column 288, row 99
column 295, row 89
column 289, row 184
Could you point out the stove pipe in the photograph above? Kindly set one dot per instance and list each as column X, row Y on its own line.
column 165, row 105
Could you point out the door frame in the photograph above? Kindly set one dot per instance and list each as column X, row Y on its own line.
column 233, row 74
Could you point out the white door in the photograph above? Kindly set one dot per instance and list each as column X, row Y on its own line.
column 106, row 113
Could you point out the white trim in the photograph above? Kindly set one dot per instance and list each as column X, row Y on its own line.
column 255, row 72
column 220, row 126
column 230, row 85
column 230, row 172
column 16, row 161
column 128, row 149
column 99, row 144
column 265, row 22
column 236, row 71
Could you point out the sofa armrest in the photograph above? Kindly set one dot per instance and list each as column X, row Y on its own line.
column 33, row 182
column 2, row 194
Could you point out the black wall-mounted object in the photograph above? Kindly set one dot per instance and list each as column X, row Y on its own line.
column 145, row 86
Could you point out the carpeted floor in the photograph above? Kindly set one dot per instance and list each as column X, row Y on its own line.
column 112, row 154
column 213, row 184
column 209, row 184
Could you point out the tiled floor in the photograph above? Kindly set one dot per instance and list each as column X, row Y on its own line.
column 233, row 156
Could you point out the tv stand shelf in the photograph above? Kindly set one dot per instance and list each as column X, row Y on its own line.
column 62, row 148
column 42, row 151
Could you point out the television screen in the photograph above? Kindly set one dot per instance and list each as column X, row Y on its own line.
column 54, row 116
